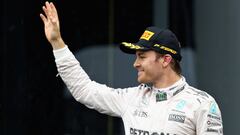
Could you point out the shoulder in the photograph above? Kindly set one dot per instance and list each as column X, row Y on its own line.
column 198, row 96
column 206, row 103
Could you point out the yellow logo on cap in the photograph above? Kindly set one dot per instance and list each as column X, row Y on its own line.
column 131, row 46
column 147, row 35
column 166, row 48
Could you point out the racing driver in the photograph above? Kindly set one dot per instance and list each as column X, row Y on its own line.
column 163, row 103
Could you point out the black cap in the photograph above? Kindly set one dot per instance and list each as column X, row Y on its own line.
column 163, row 41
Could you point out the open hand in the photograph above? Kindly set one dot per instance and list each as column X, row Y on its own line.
column 51, row 23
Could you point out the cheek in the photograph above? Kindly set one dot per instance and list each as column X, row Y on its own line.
column 151, row 68
column 155, row 69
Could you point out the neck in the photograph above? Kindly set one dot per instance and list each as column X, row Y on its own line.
column 167, row 80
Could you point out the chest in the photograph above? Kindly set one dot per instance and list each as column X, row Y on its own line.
column 169, row 116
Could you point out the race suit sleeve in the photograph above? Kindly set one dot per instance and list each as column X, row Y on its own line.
column 90, row 93
column 208, row 119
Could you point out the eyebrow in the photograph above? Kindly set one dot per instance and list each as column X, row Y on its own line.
column 140, row 53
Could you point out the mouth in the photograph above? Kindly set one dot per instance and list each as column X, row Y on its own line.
column 140, row 72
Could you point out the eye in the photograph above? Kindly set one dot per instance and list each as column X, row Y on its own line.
column 142, row 56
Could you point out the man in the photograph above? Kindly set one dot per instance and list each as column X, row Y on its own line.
column 163, row 103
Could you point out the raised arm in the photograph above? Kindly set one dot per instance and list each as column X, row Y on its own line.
column 90, row 93
column 52, row 26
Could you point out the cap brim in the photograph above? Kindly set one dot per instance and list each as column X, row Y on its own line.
column 131, row 48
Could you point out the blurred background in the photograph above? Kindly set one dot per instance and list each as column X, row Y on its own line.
column 33, row 101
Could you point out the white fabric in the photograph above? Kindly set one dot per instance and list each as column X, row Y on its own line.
column 186, row 111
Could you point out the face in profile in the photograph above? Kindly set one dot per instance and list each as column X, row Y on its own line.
column 149, row 66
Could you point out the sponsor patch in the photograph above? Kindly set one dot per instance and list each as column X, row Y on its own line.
column 147, row 35
column 212, row 124
column 161, row 96
column 140, row 113
column 212, row 130
column 134, row 131
column 181, row 104
column 177, row 118
column 214, row 117
column 213, row 108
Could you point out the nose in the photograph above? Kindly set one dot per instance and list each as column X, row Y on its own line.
column 136, row 64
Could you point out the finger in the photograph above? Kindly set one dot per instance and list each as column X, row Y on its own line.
column 51, row 14
column 54, row 10
column 46, row 11
column 44, row 19
column 48, row 6
column 53, row 7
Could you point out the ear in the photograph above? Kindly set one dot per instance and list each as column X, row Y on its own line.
column 167, row 58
